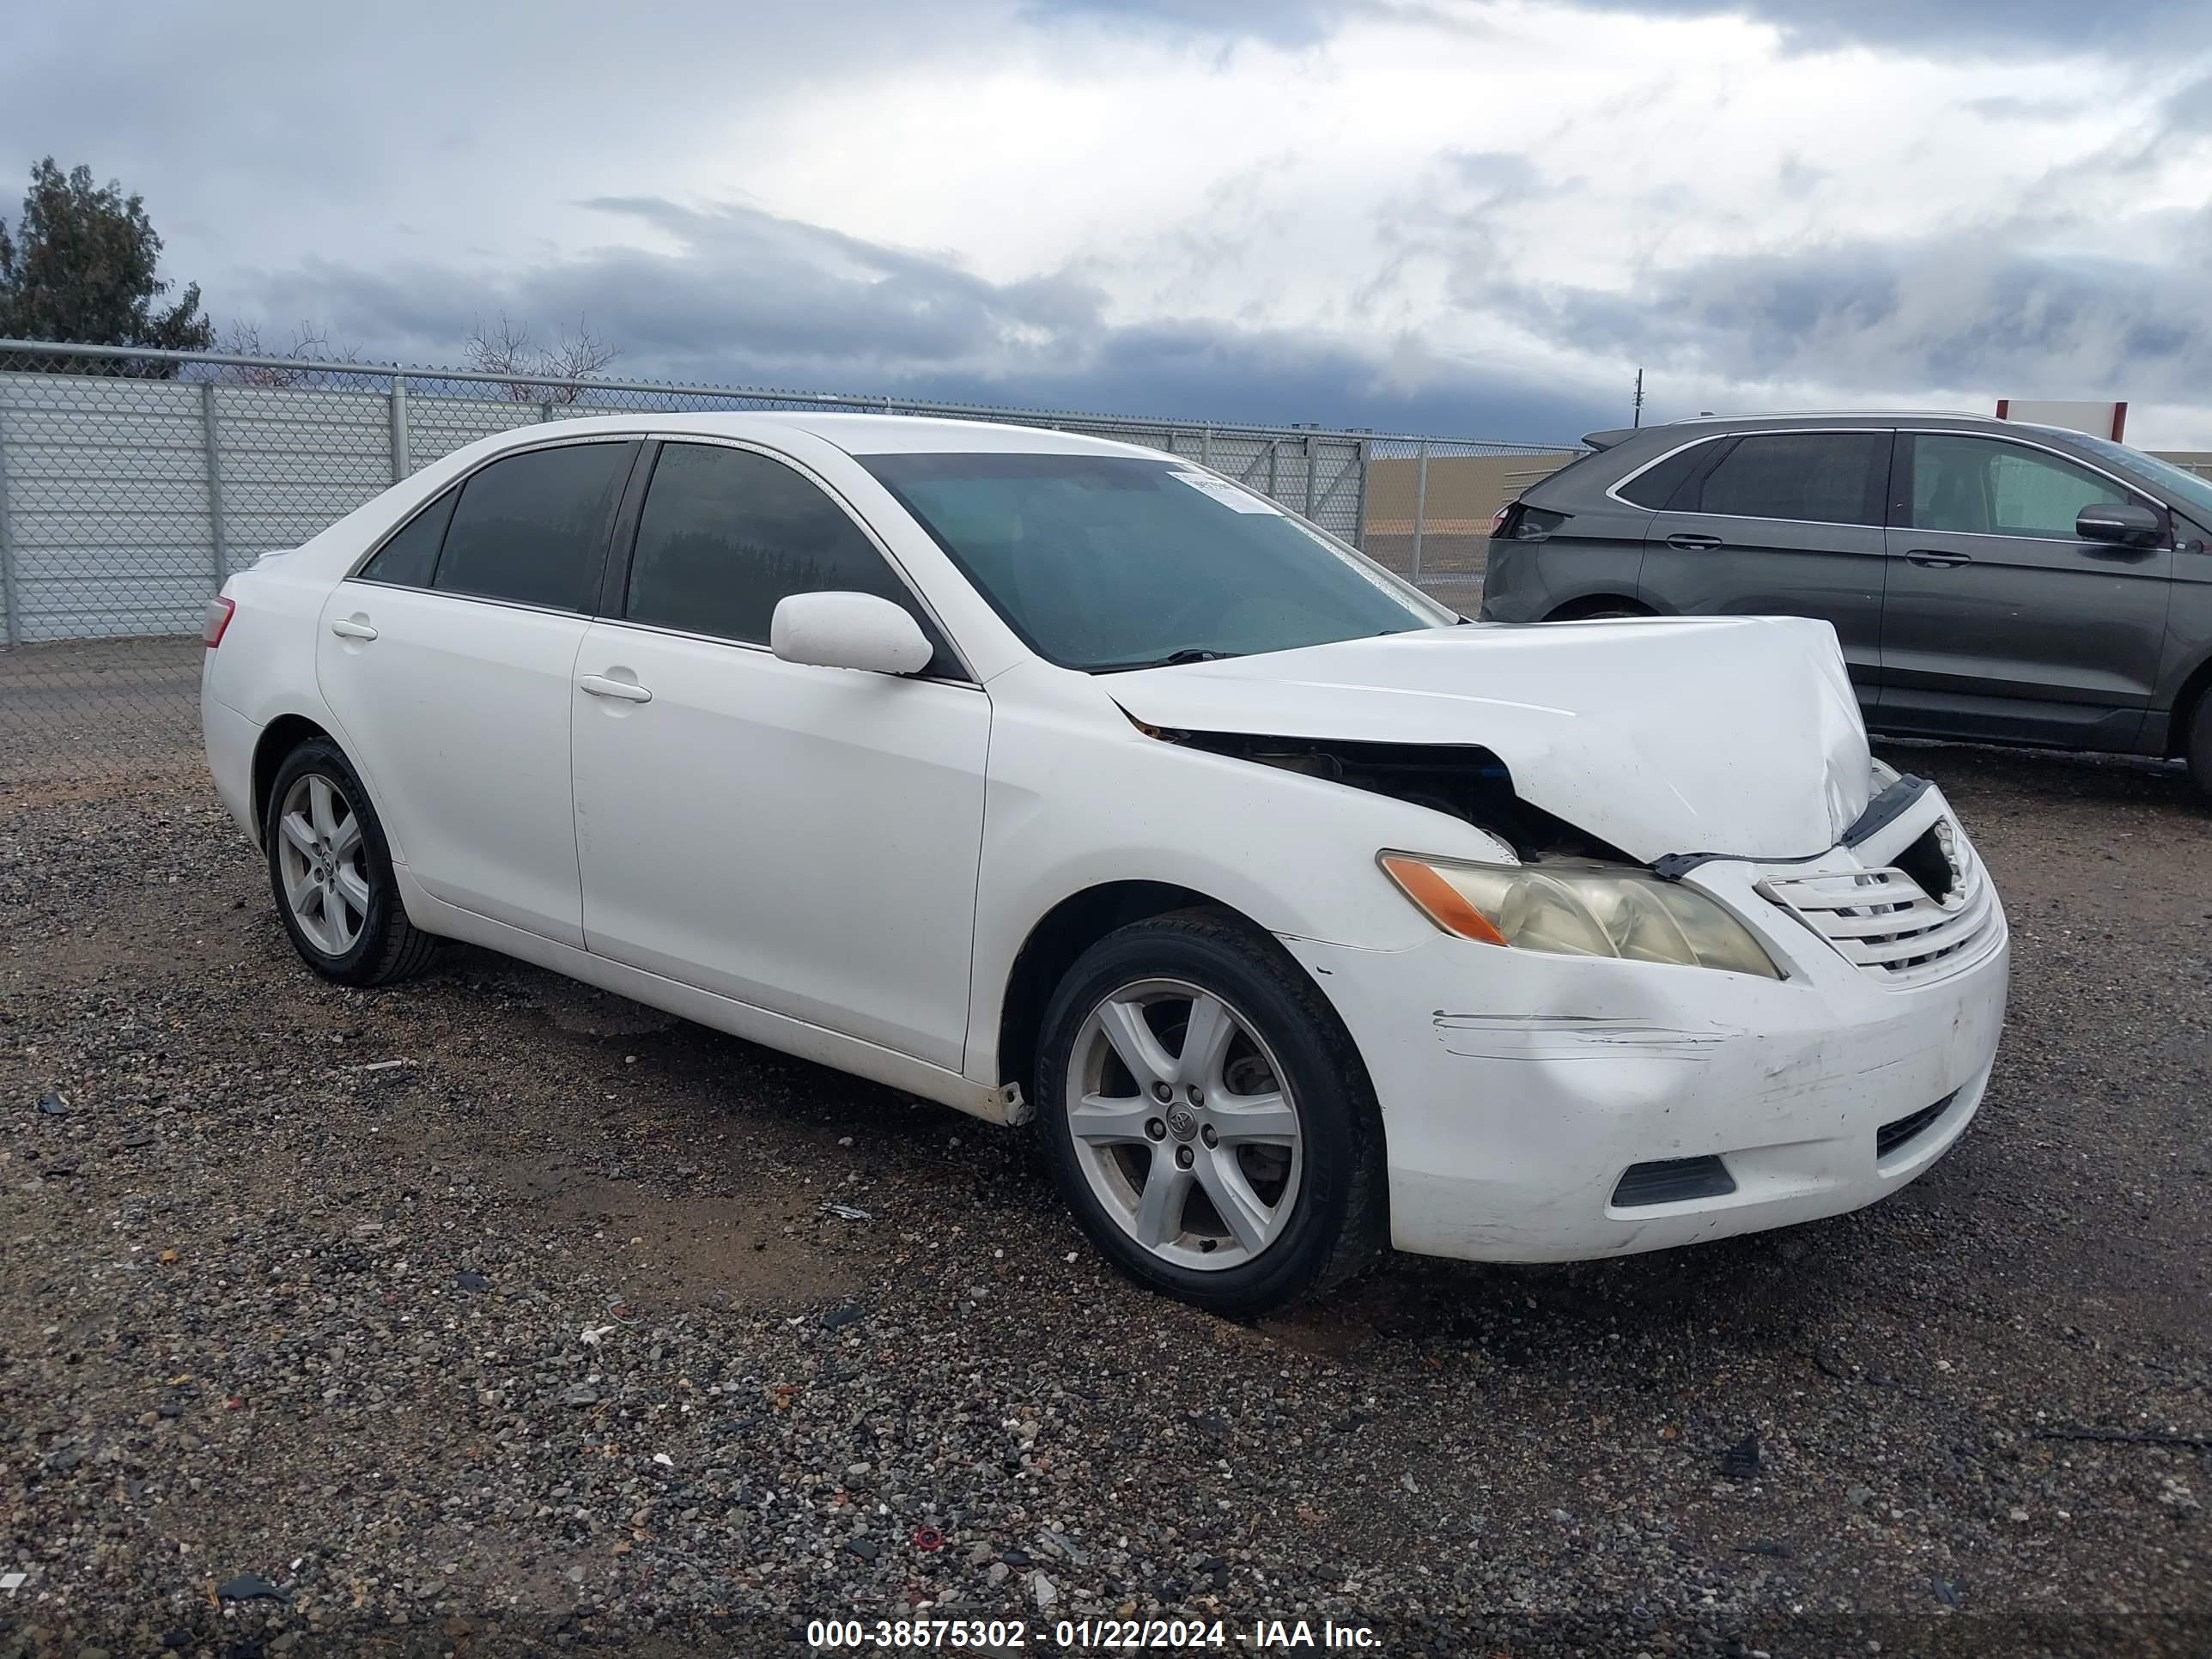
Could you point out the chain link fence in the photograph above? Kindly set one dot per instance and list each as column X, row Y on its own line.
column 133, row 483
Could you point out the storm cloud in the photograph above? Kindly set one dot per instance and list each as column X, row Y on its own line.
column 1464, row 217
column 746, row 298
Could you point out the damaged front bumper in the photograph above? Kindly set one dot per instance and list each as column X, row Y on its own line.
column 1541, row 1108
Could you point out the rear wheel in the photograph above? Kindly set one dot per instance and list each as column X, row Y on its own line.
column 1206, row 1117
column 331, row 873
column 2200, row 742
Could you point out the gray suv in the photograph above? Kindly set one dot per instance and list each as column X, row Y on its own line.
column 1989, row 580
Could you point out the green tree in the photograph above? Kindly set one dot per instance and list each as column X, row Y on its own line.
column 81, row 266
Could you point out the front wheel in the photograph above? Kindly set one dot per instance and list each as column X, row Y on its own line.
column 2200, row 742
column 1207, row 1118
column 331, row 873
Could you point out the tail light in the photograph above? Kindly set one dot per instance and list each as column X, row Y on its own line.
column 219, row 613
column 1498, row 519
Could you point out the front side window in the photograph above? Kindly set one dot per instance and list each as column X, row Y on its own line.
column 1983, row 486
column 1813, row 477
column 726, row 533
column 2193, row 491
column 531, row 528
column 1107, row 562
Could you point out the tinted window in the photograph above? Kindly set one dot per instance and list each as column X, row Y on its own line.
column 2192, row 490
column 1655, row 485
column 1819, row 477
column 531, row 528
column 409, row 557
column 726, row 533
column 1106, row 562
column 1986, row 487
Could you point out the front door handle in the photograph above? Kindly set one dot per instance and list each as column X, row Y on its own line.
column 1932, row 561
column 1693, row 543
column 350, row 627
column 598, row 685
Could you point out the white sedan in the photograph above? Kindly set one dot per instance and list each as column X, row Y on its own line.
column 1060, row 779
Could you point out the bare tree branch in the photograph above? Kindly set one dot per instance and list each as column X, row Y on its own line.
column 309, row 344
column 527, row 370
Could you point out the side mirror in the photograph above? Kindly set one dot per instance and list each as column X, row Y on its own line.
column 2128, row 523
column 849, row 630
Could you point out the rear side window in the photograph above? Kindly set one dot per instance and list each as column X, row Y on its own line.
column 1982, row 487
column 532, row 528
column 409, row 557
column 1655, row 485
column 1816, row 478
column 726, row 533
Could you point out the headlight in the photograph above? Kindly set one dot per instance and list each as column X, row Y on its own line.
column 1579, row 910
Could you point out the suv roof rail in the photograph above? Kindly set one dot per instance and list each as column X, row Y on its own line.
column 1827, row 415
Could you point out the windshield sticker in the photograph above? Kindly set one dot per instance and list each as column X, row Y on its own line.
column 1238, row 501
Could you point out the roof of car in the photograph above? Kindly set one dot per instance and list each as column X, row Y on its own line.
column 858, row 434
column 1677, row 432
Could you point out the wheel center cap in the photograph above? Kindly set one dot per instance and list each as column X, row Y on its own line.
column 1182, row 1123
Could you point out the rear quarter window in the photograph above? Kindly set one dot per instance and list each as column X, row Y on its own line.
column 1656, row 485
column 409, row 558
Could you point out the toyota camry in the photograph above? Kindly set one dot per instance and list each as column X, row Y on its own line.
column 1071, row 784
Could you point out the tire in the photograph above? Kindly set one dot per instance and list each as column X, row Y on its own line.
column 330, row 872
column 1596, row 613
column 2200, row 742
column 1303, row 1177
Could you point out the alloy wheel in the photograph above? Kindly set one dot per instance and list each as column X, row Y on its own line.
column 323, row 863
column 1184, row 1124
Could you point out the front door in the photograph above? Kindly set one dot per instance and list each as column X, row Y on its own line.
column 1998, row 621
column 1784, row 524
column 802, row 839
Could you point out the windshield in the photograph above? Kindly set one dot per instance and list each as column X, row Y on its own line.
column 2192, row 493
column 1107, row 562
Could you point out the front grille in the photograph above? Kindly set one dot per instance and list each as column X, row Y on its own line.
column 1671, row 1180
column 1888, row 923
column 1891, row 1136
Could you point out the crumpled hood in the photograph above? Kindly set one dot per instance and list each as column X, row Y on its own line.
column 1671, row 734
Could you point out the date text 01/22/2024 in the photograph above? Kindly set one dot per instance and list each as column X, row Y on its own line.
column 1091, row 1635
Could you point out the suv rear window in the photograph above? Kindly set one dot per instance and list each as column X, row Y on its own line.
column 1813, row 477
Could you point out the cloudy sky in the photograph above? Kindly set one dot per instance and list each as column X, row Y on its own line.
column 1467, row 216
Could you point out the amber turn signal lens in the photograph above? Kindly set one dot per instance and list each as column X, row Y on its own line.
column 1441, row 902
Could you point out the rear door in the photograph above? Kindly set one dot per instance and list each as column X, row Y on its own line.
column 447, row 660
column 1782, row 523
column 2000, row 622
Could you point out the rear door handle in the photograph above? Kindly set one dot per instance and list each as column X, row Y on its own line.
column 1693, row 543
column 347, row 629
column 598, row 685
column 1931, row 561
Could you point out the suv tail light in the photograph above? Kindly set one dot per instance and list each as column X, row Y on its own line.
column 219, row 613
column 1518, row 521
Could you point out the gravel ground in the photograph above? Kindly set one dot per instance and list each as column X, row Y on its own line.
column 490, row 1314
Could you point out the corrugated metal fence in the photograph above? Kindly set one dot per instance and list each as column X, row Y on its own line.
column 135, row 481
column 132, row 482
